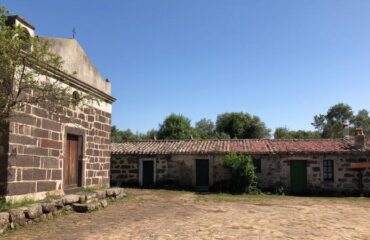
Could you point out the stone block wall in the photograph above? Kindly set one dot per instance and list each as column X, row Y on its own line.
column 275, row 171
column 124, row 170
column 171, row 170
column 4, row 147
column 182, row 169
column 36, row 148
column 163, row 164
column 345, row 179
column 220, row 174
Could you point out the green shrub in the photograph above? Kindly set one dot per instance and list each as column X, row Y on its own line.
column 102, row 186
column 94, row 188
column 243, row 177
column 4, row 206
column 89, row 189
column 53, row 196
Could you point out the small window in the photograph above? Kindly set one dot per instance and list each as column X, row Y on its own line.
column 328, row 170
column 75, row 98
column 257, row 165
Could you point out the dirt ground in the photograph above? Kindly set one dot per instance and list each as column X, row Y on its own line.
column 159, row 214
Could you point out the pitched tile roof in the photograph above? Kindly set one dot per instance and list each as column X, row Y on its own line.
column 250, row 146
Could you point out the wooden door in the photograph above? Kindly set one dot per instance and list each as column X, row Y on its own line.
column 71, row 162
column 148, row 173
column 298, row 177
column 202, row 174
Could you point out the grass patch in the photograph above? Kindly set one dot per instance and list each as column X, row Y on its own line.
column 102, row 186
column 89, row 189
column 263, row 198
column 93, row 189
column 111, row 200
column 227, row 197
column 174, row 192
column 349, row 199
column 53, row 196
column 4, row 206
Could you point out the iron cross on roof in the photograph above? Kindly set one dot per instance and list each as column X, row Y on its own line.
column 73, row 33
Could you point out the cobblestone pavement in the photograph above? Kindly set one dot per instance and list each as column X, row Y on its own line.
column 158, row 214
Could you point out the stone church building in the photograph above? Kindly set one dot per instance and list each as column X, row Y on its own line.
column 42, row 152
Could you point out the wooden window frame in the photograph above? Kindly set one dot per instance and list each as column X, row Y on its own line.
column 328, row 170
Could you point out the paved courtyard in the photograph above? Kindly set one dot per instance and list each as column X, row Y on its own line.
column 159, row 214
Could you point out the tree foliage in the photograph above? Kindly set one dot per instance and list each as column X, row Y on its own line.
column 26, row 75
column 285, row 133
column 241, row 125
column 330, row 125
column 127, row 135
column 150, row 135
column 176, row 126
column 362, row 120
column 206, row 128
column 243, row 177
column 120, row 136
column 115, row 134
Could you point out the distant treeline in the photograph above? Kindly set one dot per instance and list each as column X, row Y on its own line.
column 241, row 125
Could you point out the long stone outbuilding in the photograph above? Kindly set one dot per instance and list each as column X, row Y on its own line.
column 44, row 152
column 295, row 166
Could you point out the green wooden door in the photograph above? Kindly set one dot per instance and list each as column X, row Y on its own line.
column 202, row 175
column 298, row 177
column 148, row 173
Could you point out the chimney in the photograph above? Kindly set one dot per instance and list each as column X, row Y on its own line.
column 359, row 138
column 346, row 129
column 108, row 88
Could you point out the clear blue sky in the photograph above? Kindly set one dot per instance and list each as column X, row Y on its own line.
column 284, row 61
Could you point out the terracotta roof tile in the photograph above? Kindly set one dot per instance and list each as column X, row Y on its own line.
column 251, row 146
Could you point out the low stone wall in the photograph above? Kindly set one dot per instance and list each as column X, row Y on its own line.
column 48, row 208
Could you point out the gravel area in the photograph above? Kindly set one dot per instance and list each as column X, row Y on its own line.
column 159, row 214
